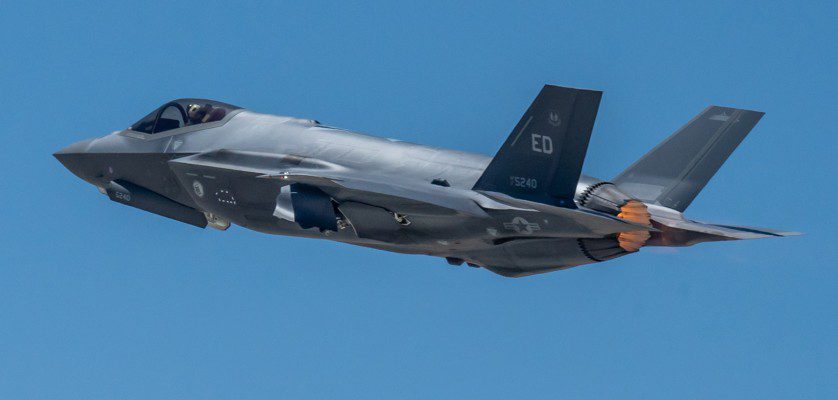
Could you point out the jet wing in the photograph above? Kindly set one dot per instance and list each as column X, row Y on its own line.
column 409, row 198
column 417, row 200
column 340, row 183
column 434, row 200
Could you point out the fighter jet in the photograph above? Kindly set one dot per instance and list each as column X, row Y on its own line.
column 527, row 210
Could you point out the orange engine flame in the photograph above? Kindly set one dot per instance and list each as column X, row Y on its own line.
column 634, row 211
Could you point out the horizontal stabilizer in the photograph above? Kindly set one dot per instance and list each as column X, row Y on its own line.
column 729, row 231
column 746, row 232
column 675, row 230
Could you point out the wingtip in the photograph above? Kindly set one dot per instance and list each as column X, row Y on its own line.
column 790, row 233
column 549, row 86
column 762, row 232
column 760, row 113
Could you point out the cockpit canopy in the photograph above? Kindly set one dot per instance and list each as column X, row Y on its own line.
column 183, row 112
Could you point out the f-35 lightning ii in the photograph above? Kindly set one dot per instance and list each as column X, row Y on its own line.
column 526, row 211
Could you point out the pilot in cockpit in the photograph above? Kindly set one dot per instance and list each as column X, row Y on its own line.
column 199, row 114
column 196, row 113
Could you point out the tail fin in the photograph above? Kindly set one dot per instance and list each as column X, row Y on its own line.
column 542, row 158
column 674, row 172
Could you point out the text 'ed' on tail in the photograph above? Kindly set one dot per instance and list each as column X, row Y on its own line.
column 542, row 159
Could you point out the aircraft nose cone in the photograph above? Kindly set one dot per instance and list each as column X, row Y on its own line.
column 75, row 148
column 72, row 157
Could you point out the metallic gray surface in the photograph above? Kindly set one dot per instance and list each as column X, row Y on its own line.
column 674, row 172
column 526, row 214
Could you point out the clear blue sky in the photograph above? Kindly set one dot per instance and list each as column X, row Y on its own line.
column 101, row 301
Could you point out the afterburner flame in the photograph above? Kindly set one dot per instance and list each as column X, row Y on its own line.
column 634, row 211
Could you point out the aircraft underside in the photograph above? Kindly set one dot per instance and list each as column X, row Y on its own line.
column 527, row 210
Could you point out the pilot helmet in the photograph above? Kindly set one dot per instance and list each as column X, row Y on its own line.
column 196, row 112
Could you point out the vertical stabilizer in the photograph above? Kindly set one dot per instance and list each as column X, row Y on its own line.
column 542, row 158
column 674, row 172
